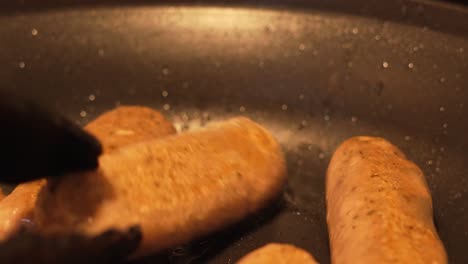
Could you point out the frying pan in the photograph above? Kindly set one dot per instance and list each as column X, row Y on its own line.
column 313, row 72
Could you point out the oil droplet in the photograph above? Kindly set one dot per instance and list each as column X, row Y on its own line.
column 21, row 64
column 385, row 65
column 321, row 155
column 326, row 117
column 442, row 109
column 242, row 109
column 34, row 32
column 301, row 97
column 377, row 37
column 442, row 149
column 92, row 97
column 354, row 119
column 442, row 80
column 302, row 47
column 445, row 125
column 304, row 123
column 355, row 31
column 165, row 93
column 429, row 162
column 284, row 107
column 407, row 138
column 350, row 64
column 411, row 65
column 83, row 113
column 310, row 147
column 101, row 52
column 166, row 107
column 165, row 71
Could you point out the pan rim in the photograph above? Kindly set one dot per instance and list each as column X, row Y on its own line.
column 432, row 14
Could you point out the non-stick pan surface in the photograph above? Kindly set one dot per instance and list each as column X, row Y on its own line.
column 314, row 72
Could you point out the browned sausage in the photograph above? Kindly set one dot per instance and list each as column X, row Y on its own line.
column 16, row 208
column 278, row 254
column 177, row 188
column 117, row 128
column 127, row 125
column 379, row 208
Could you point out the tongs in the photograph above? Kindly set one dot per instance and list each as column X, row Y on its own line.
column 40, row 143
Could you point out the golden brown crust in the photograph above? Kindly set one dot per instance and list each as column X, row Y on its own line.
column 18, row 207
column 117, row 128
column 379, row 208
column 128, row 125
column 278, row 254
column 176, row 188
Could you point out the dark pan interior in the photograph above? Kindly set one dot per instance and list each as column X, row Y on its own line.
column 314, row 74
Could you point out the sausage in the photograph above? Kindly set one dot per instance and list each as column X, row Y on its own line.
column 379, row 208
column 278, row 254
column 16, row 208
column 176, row 188
column 120, row 127
column 128, row 125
